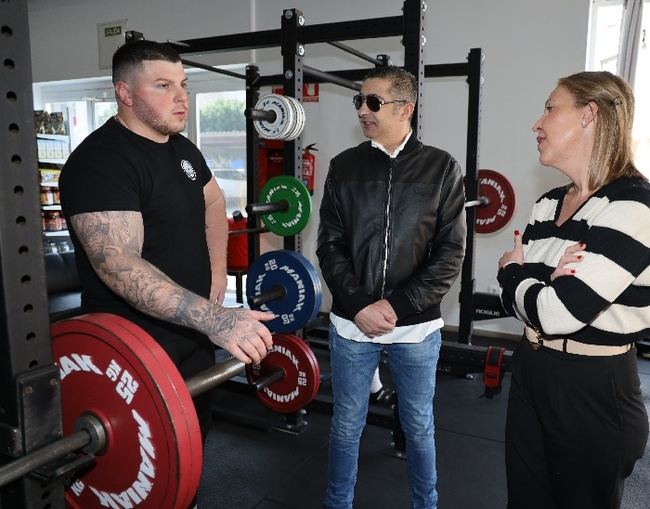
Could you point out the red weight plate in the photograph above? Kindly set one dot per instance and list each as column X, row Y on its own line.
column 302, row 374
column 496, row 214
column 192, row 442
column 115, row 370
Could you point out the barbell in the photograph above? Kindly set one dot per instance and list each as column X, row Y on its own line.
column 127, row 407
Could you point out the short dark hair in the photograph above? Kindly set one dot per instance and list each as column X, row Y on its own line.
column 403, row 83
column 130, row 56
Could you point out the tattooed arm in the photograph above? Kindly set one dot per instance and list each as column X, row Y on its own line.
column 216, row 233
column 113, row 242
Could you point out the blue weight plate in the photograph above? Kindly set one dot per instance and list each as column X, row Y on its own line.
column 298, row 277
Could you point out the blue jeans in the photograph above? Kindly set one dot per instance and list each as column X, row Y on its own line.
column 413, row 369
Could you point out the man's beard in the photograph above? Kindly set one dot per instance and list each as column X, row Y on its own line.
column 152, row 119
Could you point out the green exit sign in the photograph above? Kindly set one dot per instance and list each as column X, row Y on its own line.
column 111, row 31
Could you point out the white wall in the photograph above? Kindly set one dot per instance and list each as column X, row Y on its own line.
column 64, row 32
column 528, row 45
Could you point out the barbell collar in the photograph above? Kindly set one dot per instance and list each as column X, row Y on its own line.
column 91, row 424
column 266, row 115
column 267, row 208
column 277, row 292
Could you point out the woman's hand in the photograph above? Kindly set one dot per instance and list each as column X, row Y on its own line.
column 516, row 255
column 572, row 254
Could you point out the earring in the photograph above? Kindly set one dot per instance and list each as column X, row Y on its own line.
column 584, row 123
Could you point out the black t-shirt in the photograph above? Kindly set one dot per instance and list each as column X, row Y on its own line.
column 114, row 169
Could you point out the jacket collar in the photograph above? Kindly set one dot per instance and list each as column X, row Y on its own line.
column 410, row 145
column 394, row 154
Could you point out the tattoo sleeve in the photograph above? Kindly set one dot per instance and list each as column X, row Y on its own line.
column 113, row 243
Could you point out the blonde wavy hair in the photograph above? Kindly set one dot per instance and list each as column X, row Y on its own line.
column 611, row 156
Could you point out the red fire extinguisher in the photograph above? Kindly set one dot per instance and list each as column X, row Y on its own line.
column 309, row 166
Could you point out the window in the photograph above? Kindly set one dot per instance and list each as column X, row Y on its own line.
column 604, row 34
column 221, row 136
column 602, row 54
column 641, row 132
column 102, row 111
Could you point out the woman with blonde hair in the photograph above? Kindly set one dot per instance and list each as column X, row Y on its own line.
column 579, row 279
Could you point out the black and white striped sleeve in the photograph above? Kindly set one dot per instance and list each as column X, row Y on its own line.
column 617, row 255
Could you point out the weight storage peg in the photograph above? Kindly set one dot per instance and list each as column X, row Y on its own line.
column 136, row 411
column 284, row 205
column 500, row 207
column 277, row 117
column 286, row 284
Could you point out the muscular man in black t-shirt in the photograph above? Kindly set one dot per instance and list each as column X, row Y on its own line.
column 148, row 221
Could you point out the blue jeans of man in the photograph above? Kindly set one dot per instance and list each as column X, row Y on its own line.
column 413, row 369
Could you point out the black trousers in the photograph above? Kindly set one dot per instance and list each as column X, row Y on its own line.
column 191, row 359
column 575, row 427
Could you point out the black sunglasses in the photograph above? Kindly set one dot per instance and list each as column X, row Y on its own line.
column 373, row 102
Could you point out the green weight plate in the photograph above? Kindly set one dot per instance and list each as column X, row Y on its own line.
column 295, row 193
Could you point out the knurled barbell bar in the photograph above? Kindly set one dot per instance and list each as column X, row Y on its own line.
column 126, row 405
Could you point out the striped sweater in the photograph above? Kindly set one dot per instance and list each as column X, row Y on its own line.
column 607, row 300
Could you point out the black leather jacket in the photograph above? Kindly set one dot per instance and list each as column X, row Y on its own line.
column 392, row 228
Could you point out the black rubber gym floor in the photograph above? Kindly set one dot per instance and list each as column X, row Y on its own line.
column 255, row 466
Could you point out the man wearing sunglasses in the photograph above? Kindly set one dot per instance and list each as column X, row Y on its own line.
column 390, row 244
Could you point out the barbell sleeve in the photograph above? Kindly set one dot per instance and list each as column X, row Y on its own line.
column 214, row 376
column 267, row 115
column 267, row 208
column 223, row 372
column 277, row 292
column 22, row 466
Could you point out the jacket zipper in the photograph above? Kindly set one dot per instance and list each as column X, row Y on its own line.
column 388, row 226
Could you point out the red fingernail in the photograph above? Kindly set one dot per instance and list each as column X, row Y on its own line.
column 516, row 232
column 579, row 257
column 573, row 271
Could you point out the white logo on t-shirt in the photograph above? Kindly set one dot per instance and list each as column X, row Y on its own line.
column 188, row 169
